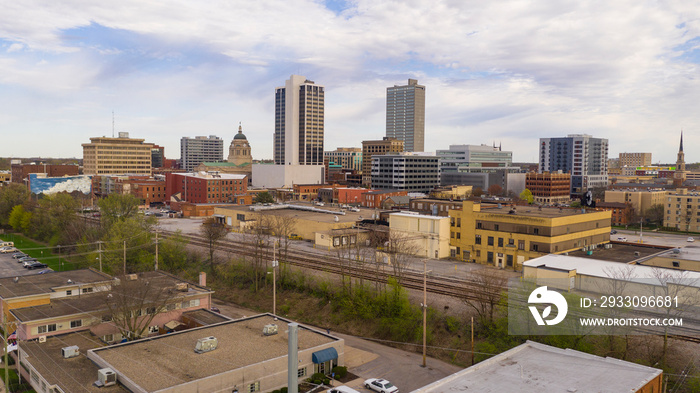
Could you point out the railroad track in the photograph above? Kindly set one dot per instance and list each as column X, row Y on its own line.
column 441, row 285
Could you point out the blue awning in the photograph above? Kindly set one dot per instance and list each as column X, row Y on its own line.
column 324, row 355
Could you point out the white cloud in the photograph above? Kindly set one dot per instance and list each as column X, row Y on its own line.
column 507, row 70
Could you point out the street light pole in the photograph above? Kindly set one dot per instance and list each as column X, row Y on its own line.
column 275, row 263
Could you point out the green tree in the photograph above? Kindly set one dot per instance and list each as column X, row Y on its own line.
column 133, row 234
column 655, row 214
column 19, row 220
column 172, row 253
column 526, row 195
column 51, row 217
column 264, row 197
column 11, row 195
column 118, row 207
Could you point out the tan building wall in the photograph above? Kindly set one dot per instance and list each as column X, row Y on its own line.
column 428, row 234
column 641, row 200
column 112, row 156
column 242, row 219
column 634, row 159
column 682, row 210
column 371, row 148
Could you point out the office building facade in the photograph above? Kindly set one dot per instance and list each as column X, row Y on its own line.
column 405, row 171
column 371, row 148
column 299, row 122
column 473, row 156
column 346, row 157
column 405, row 114
column 634, row 159
column 581, row 155
column 194, row 151
column 117, row 156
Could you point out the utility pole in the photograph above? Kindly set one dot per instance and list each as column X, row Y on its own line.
column 641, row 229
column 275, row 263
column 156, row 250
column 99, row 245
column 472, row 341
column 425, row 307
column 125, row 257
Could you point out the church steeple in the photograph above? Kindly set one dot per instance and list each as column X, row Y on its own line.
column 680, row 175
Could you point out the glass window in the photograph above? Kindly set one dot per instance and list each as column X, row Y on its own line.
column 490, row 241
column 76, row 324
column 500, row 242
column 489, row 257
column 477, row 240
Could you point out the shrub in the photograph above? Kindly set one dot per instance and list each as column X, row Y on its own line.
column 340, row 371
column 319, row 378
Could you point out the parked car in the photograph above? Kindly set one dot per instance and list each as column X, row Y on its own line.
column 621, row 239
column 613, row 232
column 294, row 236
column 26, row 258
column 28, row 262
column 37, row 265
column 381, row 385
column 690, row 239
column 342, row 389
column 7, row 249
column 215, row 309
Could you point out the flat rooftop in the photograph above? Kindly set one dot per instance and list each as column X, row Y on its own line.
column 598, row 268
column 170, row 359
column 621, row 252
column 36, row 284
column 689, row 253
column 533, row 211
column 535, row 368
column 76, row 374
column 324, row 214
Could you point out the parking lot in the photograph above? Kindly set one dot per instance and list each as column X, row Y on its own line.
column 9, row 267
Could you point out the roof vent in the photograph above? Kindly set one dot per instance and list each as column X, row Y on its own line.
column 69, row 281
column 206, row 344
column 70, row 352
column 106, row 377
column 270, row 329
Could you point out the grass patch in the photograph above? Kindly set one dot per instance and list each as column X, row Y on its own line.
column 12, row 383
column 39, row 251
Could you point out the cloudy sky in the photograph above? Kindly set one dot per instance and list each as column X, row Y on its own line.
column 508, row 71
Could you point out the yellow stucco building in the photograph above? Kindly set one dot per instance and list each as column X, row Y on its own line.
column 508, row 236
column 429, row 235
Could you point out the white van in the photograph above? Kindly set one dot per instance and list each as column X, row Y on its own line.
column 342, row 389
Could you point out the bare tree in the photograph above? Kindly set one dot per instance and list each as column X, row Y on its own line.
column 135, row 300
column 619, row 279
column 212, row 231
column 682, row 289
column 349, row 253
column 260, row 231
column 483, row 291
column 283, row 229
column 401, row 248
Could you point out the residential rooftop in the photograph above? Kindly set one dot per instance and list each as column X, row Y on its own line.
column 95, row 302
column 169, row 360
column 533, row 368
column 36, row 284
column 77, row 374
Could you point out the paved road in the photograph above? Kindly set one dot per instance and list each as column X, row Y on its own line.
column 369, row 359
column 655, row 238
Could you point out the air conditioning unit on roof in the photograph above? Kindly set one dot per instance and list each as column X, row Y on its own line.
column 106, row 377
column 206, row 344
column 70, row 352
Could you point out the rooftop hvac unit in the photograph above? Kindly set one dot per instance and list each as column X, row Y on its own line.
column 106, row 377
column 132, row 277
column 70, row 352
column 181, row 286
column 206, row 344
column 584, row 249
column 270, row 329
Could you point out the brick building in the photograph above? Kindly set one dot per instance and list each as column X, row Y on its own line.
column 549, row 187
column 20, row 172
column 374, row 199
column 206, row 188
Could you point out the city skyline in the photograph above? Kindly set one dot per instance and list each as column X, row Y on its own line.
column 626, row 72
